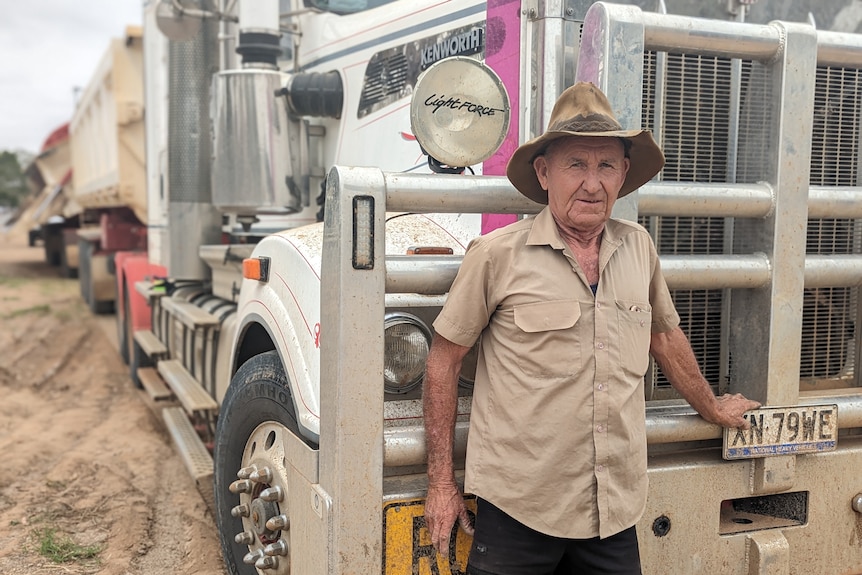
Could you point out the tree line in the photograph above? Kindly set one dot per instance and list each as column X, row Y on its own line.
column 13, row 184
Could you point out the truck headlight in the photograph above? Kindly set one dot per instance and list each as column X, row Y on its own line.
column 406, row 341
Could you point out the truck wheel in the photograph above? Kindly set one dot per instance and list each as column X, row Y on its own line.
column 84, row 250
column 249, row 477
column 66, row 270
column 137, row 359
column 123, row 324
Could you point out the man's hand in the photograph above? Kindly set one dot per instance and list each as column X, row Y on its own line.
column 730, row 408
column 443, row 506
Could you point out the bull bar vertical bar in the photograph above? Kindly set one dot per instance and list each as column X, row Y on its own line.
column 351, row 363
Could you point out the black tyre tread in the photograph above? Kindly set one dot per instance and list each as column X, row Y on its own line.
column 258, row 392
column 138, row 359
column 123, row 326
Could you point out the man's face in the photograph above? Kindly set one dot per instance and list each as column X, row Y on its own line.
column 583, row 177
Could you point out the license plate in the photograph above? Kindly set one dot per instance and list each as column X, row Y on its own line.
column 407, row 544
column 783, row 431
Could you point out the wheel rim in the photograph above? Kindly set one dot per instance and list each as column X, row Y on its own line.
column 263, row 500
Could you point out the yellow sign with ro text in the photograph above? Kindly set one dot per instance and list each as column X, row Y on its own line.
column 407, row 543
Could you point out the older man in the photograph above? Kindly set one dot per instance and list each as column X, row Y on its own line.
column 569, row 305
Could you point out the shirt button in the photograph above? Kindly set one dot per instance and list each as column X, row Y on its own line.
column 600, row 468
column 600, row 345
column 600, row 428
column 598, row 305
column 601, row 387
column 643, row 323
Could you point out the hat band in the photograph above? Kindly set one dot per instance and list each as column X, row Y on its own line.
column 589, row 123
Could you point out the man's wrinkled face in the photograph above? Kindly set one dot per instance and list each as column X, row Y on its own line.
column 583, row 177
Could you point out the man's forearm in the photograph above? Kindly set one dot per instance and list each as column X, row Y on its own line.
column 440, row 403
column 673, row 353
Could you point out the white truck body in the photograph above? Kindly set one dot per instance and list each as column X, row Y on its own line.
column 275, row 345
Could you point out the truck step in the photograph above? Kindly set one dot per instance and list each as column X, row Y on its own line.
column 150, row 344
column 192, row 396
column 192, row 451
column 146, row 289
column 154, row 385
column 189, row 314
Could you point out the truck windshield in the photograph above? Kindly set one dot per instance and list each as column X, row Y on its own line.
column 345, row 6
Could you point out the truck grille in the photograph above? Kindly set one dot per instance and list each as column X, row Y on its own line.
column 695, row 126
column 830, row 314
column 386, row 79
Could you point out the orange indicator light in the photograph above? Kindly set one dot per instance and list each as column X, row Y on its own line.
column 256, row 269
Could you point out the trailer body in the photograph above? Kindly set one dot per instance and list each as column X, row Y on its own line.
column 49, row 178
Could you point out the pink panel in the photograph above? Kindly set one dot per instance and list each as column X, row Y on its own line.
column 503, row 54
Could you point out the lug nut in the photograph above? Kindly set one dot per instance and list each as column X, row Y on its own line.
column 252, row 557
column 244, row 538
column 267, row 563
column 262, row 475
column 240, row 510
column 246, row 472
column 240, row 486
column 278, row 523
column 857, row 503
column 271, row 494
column 277, row 548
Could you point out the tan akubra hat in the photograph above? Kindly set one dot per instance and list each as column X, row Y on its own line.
column 583, row 110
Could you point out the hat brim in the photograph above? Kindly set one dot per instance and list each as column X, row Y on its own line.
column 645, row 157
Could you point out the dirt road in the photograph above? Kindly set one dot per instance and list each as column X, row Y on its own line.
column 87, row 471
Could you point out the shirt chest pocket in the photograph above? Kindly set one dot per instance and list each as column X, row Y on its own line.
column 635, row 333
column 546, row 342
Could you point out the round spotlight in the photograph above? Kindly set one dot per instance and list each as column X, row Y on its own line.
column 460, row 111
column 406, row 341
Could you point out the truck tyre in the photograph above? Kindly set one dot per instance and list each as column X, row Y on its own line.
column 256, row 409
column 66, row 270
column 85, row 278
column 123, row 324
column 137, row 359
column 84, row 250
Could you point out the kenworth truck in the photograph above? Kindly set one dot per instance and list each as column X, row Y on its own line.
column 288, row 364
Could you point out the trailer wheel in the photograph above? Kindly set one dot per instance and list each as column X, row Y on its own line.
column 249, row 477
column 123, row 326
column 137, row 359
column 84, row 251
column 66, row 270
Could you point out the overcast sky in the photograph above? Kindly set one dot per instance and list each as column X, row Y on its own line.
column 48, row 47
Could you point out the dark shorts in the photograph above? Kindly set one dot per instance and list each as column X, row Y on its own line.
column 504, row 546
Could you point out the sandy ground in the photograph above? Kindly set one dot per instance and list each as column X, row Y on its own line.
column 84, row 461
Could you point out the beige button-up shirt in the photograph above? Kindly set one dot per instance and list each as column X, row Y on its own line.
column 557, row 430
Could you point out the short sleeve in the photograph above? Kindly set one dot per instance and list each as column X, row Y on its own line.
column 469, row 305
column 664, row 314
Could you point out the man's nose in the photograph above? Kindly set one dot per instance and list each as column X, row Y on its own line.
column 592, row 181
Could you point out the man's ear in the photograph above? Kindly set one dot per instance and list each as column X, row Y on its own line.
column 540, row 165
